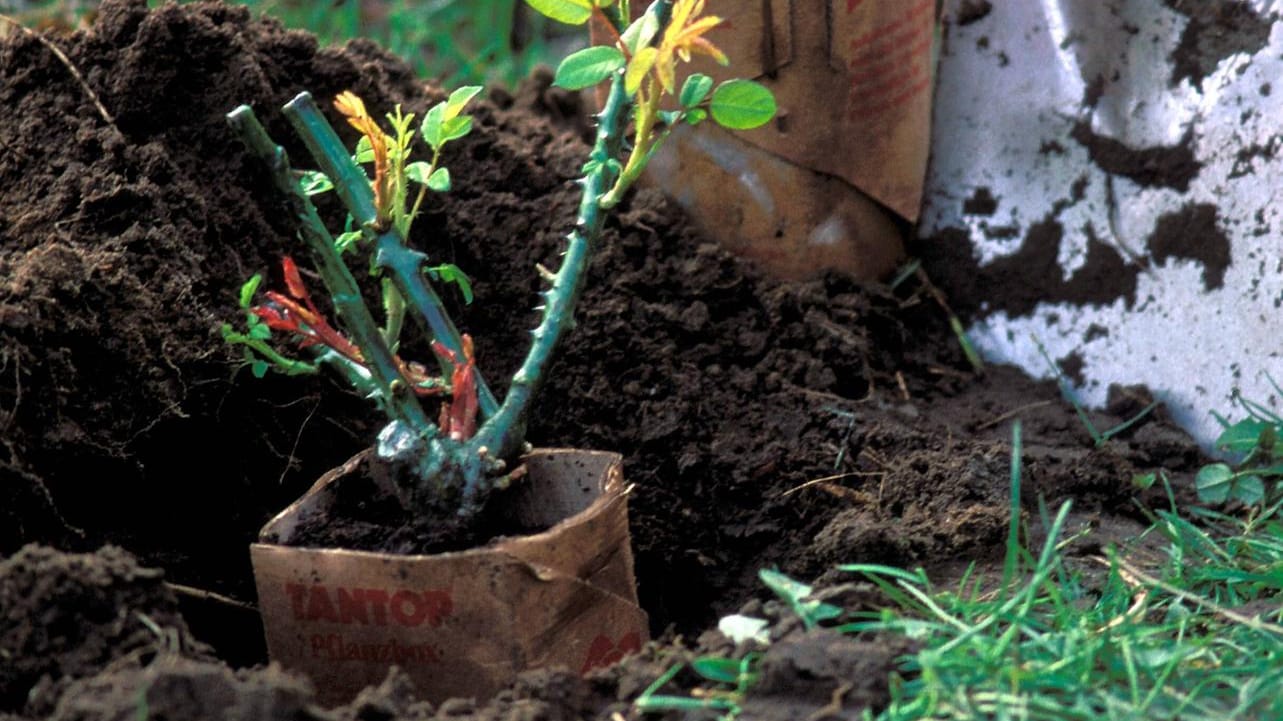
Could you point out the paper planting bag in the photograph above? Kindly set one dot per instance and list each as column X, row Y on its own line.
column 834, row 179
column 460, row 624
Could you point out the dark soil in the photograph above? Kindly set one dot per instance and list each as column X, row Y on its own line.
column 125, row 419
column 1216, row 30
column 72, row 616
column 1193, row 233
column 971, row 11
column 1166, row 166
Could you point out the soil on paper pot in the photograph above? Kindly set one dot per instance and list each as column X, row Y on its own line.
column 124, row 419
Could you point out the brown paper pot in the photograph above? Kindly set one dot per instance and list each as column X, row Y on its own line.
column 833, row 181
column 460, row 624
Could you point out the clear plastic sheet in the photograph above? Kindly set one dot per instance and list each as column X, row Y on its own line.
column 1112, row 167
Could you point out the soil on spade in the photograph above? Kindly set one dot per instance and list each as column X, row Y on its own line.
column 124, row 418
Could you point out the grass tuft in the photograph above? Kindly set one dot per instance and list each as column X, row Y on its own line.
column 456, row 42
column 1197, row 637
column 1194, row 633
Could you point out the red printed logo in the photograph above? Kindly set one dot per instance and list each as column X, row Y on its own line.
column 369, row 606
column 604, row 651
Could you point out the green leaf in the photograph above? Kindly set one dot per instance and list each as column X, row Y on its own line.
column 641, row 32
column 364, row 151
column 459, row 99
column 418, row 172
column 786, row 588
column 1214, row 483
column 249, row 289
column 571, row 12
column 345, row 241
column 742, row 105
column 439, row 181
column 1242, row 437
column 796, row 594
column 588, row 67
column 456, row 128
column 694, row 90
column 258, row 368
column 1249, row 489
column 260, row 331
column 431, row 127
column 721, row 670
column 451, row 273
column 670, row 117
column 438, row 129
column 229, row 333
column 1144, row 481
column 314, row 182
column 696, row 116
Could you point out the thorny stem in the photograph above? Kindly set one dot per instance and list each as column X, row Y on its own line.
column 394, row 391
column 504, row 435
column 405, row 266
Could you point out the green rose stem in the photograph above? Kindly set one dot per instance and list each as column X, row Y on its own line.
column 395, row 393
column 505, row 433
column 403, row 265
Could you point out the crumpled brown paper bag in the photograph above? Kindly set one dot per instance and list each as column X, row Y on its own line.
column 460, row 624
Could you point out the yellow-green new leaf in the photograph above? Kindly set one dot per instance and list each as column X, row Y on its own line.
column 641, row 64
column 460, row 99
column 249, row 289
column 571, row 12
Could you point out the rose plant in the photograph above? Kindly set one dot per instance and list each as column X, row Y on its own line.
column 452, row 463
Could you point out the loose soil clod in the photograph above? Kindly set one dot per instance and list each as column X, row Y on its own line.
column 119, row 257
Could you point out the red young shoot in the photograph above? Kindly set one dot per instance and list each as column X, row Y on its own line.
column 459, row 417
column 297, row 314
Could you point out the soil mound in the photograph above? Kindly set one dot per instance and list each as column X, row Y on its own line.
column 764, row 423
column 72, row 616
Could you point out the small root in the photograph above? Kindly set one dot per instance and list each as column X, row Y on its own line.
column 11, row 415
column 828, row 480
column 66, row 62
column 203, row 595
column 1012, row 414
column 834, row 708
column 289, row 462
